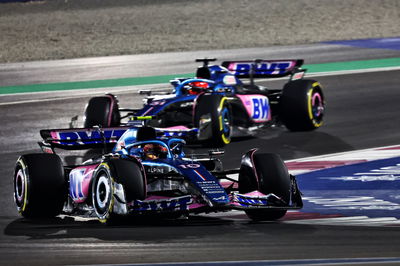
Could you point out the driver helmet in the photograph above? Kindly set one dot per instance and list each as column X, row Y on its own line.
column 196, row 87
column 153, row 151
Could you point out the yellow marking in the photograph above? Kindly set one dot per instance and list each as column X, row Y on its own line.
column 316, row 84
column 105, row 165
column 141, row 117
column 309, row 101
column 221, row 105
column 221, row 126
column 225, row 140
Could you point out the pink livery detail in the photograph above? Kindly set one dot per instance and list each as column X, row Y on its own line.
column 79, row 182
column 257, row 106
column 177, row 128
column 255, row 194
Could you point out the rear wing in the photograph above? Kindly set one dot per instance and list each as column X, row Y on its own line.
column 81, row 138
column 264, row 68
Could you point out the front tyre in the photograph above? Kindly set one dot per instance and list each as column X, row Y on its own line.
column 108, row 202
column 102, row 193
column 39, row 186
column 302, row 105
column 267, row 173
column 213, row 117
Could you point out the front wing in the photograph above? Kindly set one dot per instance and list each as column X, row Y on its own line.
column 194, row 204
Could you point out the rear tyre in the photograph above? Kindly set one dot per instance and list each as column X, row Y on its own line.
column 102, row 111
column 213, row 117
column 125, row 172
column 39, row 185
column 266, row 173
column 302, row 105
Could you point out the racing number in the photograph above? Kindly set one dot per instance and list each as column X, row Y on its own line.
column 76, row 179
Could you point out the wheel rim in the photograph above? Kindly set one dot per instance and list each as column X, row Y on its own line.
column 226, row 122
column 103, row 194
column 317, row 107
column 225, row 125
column 19, row 188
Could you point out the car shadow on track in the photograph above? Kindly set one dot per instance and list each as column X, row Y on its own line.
column 144, row 230
column 128, row 229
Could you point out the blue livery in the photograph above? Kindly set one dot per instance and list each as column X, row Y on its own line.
column 222, row 101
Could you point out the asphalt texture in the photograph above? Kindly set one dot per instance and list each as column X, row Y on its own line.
column 362, row 112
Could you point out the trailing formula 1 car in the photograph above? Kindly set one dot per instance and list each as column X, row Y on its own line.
column 217, row 104
column 144, row 175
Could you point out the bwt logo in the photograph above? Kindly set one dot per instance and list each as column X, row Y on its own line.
column 89, row 137
column 260, row 108
column 163, row 205
column 263, row 68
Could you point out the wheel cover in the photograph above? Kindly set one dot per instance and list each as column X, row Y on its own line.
column 102, row 195
column 20, row 189
column 225, row 122
column 316, row 107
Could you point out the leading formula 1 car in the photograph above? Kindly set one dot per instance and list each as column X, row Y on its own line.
column 144, row 175
column 217, row 104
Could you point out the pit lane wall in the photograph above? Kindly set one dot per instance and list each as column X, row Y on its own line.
column 356, row 183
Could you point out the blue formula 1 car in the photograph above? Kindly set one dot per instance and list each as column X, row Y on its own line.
column 217, row 104
column 144, row 175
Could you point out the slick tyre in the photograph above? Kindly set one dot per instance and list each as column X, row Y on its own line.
column 268, row 174
column 109, row 176
column 302, row 105
column 40, row 188
column 102, row 111
column 216, row 111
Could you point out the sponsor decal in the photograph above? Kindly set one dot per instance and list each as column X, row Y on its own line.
column 186, row 104
column 243, row 201
column 368, row 188
column 172, row 204
column 264, row 68
column 354, row 203
column 255, row 199
column 211, row 187
column 157, row 102
column 174, row 133
column 373, row 175
column 387, row 173
column 89, row 137
column 257, row 107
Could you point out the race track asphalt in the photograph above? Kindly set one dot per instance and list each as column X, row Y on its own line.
column 362, row 112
